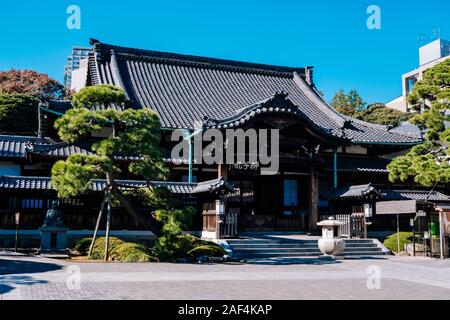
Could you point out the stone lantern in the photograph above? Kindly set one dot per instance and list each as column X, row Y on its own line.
column 330, row 245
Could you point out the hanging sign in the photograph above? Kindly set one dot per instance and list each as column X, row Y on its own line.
column 17, row 218
column 421, row 213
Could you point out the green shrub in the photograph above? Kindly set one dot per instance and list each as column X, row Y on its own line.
column 391, row 241
column 98, row 252
column 172, row 248
column 82, row 246
column 132, row 252
column 207, row 250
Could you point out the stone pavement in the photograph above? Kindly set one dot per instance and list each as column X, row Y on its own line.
column 295, row 278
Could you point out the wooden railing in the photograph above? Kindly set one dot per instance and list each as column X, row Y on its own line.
column 228, row 225
column 296, row 223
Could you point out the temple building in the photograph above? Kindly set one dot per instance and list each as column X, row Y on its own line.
column 322, row 153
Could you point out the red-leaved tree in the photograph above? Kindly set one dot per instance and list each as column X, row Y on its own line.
column 30, row 83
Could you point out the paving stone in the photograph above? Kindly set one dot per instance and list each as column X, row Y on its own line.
column 400, row 278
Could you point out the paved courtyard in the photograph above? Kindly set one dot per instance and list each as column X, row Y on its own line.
column 24, row 277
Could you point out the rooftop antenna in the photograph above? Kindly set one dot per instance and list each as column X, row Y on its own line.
column 436, row 34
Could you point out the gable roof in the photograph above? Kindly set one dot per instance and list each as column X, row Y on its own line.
column 358, row 191
column 185, row 89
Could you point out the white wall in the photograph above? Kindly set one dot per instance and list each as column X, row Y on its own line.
column 79, row 76
column 430, row 52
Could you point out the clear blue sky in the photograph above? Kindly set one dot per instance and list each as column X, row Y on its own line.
column 330, row 35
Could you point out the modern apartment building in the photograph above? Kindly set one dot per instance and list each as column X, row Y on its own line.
column 73, row 63
column 429, row 55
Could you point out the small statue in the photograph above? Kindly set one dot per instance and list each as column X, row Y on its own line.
column 53, row 218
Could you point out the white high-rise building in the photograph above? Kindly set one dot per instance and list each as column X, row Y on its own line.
column 73, row 63
column 430, row 55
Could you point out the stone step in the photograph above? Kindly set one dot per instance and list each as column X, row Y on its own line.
column 269, row 241
column 295, row 245
column 307, row 254
column 303, row 249
column 254, row 248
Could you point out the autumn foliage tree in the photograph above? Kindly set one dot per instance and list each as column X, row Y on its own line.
column 20, row 92
column 30, row 83
column 429, row 163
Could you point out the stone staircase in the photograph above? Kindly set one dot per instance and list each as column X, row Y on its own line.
column 282, row 247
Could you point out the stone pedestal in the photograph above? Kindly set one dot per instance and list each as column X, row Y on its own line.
column 54, row 241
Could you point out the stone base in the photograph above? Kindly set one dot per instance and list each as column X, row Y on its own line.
column 60, row 254
column 53, row 241
column 327, row 258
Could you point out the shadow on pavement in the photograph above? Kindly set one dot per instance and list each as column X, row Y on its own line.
column 288, row 261
column 8, row 283
column 18, row 266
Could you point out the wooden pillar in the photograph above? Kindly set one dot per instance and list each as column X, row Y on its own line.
column 313, row 197
column 222, row 171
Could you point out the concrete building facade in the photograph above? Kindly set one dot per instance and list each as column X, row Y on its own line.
column 429, row 55
column 73, row 63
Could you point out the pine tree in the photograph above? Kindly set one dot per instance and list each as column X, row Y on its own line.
column 133, row 133
column 429, row 163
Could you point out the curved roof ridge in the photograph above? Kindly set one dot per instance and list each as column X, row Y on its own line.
column 200, row 61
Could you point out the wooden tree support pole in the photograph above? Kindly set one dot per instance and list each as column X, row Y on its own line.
column 97, row 225
column 108, row 223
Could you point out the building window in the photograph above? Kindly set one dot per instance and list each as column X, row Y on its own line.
column 32, row 203
column 290, row 195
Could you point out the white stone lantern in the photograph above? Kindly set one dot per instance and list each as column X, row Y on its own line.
column 330, row 245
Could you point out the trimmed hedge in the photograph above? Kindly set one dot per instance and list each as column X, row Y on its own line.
column 82, row 246
column 182, row 246
column 391, row 241
column 98, row 252
column 207, row 250
column 132, row 252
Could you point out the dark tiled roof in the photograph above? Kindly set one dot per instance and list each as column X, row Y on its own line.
column 58, row 150
column 44, row 183
column 174, row 187
column 212, row 186
column 25, row 183
column 358, row 191
column 361, row 191
column 185, row 89
column 419, row 195
column 64, row 150
column 12, row 146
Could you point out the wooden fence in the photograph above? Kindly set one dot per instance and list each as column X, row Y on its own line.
column 225, row 224
column 354, row 226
